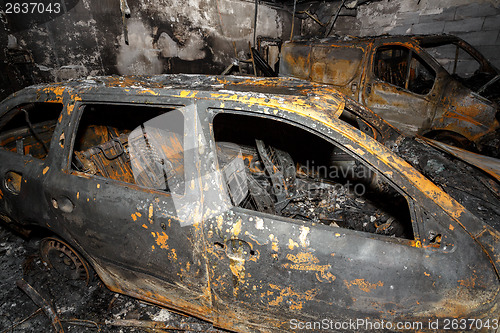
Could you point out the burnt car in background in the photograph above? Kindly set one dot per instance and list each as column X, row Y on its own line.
column 255, row 204
column 438, row 86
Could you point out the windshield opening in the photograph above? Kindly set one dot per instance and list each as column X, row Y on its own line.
column 461, row 64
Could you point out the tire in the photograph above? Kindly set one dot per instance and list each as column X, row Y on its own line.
column 64, row 260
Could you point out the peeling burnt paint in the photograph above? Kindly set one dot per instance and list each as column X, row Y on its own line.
column 250, row 269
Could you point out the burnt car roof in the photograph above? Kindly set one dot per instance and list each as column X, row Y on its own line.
column 167, row 85
column 312, row 99
column 428, row 39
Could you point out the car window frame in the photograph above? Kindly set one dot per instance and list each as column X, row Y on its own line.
column 414, row 49
column 11, row 114
column 213, row 111
column 79, row 109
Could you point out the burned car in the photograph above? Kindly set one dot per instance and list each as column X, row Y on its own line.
column 256, row 204
column 438, row 86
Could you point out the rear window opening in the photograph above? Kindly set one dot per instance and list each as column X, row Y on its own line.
column 276, row 168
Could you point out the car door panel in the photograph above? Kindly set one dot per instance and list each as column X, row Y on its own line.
column 132, row 234
column 387, row 92
column 267, row 270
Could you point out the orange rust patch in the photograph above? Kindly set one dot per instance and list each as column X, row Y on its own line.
column 469, row 282
column 308, row 262
column 172, row 255
column 363, row 285
column 45, row 170
column 417, row 244
column 161, row 240
column 293, row 298
column 1, row 194
column 150, row 214
column 451, row 227
column 144, row 226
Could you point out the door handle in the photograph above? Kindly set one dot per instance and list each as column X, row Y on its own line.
column 12, row 182
column 64, row 204
column 236, row 249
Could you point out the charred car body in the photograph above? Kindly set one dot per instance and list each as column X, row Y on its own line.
column 434, row 85
column 251, row 203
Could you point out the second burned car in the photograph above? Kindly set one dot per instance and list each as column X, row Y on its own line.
column 438, row 86
column 255, row 204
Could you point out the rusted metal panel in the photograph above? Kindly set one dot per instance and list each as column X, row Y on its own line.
column 402, row 82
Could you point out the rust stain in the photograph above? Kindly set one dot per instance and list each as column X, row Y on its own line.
column 220, row 220
column 172, row 255
column 144, row 226
column 148, row 91
column 274, row 243
column 469, row 282
column 150, row 213
column 187, row 94
column 45, row 170
column 308, row 262
column 1, row 194
column 304, row 231
column 161, row 239
column 363, row 285
column 292, row 244
column 237, row 228
column 237, row 267
column 294, row 299
column 61, row 140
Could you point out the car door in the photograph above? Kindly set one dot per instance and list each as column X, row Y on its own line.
column 332, row 261
column 26, row 131
column 399, row 86
column 119, row 195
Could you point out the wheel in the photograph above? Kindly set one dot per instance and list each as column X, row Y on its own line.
column 64, row 260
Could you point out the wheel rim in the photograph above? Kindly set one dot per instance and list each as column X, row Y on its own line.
column 64, row 260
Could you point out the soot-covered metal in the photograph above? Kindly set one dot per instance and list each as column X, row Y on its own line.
column 438, row 86
column 250, row 203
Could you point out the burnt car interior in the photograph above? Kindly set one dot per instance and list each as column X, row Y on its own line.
column 28, row 129
column 293, row 173
column 132, row 144
column 403, row 68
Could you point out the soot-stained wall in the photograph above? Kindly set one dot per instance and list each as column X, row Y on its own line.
column 477, row 22
column 164, row 36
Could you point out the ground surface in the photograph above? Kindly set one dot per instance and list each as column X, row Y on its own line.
column 80, row 308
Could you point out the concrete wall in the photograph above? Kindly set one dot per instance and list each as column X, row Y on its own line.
column 477, row 22
column 165, row 36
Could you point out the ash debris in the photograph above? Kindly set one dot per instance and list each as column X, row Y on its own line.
column 79, row 307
